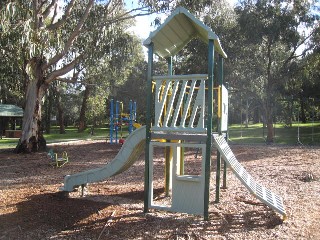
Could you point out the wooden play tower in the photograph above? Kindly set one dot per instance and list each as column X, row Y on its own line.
column 180, row 113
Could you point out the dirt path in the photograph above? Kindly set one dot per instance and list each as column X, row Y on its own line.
column 32, row 208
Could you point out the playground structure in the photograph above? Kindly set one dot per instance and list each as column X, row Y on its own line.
column 58, row 161
column 182, row 118
column 118, row 117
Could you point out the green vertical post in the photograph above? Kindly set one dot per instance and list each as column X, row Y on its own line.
column 168, row 150
column 169, row 61
column 148, row 127
column 209, row 128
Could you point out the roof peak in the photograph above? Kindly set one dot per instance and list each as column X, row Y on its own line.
column 178, row 29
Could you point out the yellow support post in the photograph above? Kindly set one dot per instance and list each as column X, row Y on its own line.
column 168, row 163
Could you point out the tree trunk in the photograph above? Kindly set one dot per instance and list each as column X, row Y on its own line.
column 48, row 111
column 256, row 115
column 269, row 96
column 270, row 132
column 60, row 114
column 32, row 139
column 302, row 114
column 82, row 118
column 247, row 114
column 269, row 121
column 290, row 113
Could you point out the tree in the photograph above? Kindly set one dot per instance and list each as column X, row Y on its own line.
column 103, row 78
column 52, row 44
column 273, row 45
column 12, row 82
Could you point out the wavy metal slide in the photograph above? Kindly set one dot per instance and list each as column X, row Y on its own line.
column 128, row 154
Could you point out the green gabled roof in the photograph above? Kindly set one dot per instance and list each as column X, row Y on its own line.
column 8, row 110
column 177, row 30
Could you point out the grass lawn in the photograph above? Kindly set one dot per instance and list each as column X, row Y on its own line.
column 309, row 134
column 71, row 134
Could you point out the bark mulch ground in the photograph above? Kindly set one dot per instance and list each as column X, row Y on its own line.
column 31, row 206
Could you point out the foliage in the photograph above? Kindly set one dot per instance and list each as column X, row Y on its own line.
column 57, row 39
column 273, row 50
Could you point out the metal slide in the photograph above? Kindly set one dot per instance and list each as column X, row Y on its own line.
column 263, row 194
column 128, row 154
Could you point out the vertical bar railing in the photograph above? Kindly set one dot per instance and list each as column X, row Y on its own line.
column 180, row 103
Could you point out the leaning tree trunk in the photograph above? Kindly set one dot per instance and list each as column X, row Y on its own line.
column 32, row 139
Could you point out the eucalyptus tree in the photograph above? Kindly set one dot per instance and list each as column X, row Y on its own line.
column 272, row 40
column 11, row 69
column 103, row 78
column 53, row 41
column 309, row 75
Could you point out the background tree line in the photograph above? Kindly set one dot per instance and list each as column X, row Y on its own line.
column 67, row 60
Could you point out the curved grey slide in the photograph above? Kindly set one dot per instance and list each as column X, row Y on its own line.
column 128, row 154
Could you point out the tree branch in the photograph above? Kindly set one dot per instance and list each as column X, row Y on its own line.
column 35, row 14
column 48, row 10
column 292, row 55
column 64, row 18
column 126, row 15
column 54, row 14
column 73, row 79
column 64, row 70
column 71, row 39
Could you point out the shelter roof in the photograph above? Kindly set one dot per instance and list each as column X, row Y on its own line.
column 177, row 30
column 8, row 110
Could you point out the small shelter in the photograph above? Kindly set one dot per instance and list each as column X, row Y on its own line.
column 10, row 114
column 180, row 113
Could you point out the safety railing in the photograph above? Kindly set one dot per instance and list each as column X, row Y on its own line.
column 179, row 103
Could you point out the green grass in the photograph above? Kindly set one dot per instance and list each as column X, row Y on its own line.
column 309, row 134
column 254, row 134
column 71, row 134
column 8, row 142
